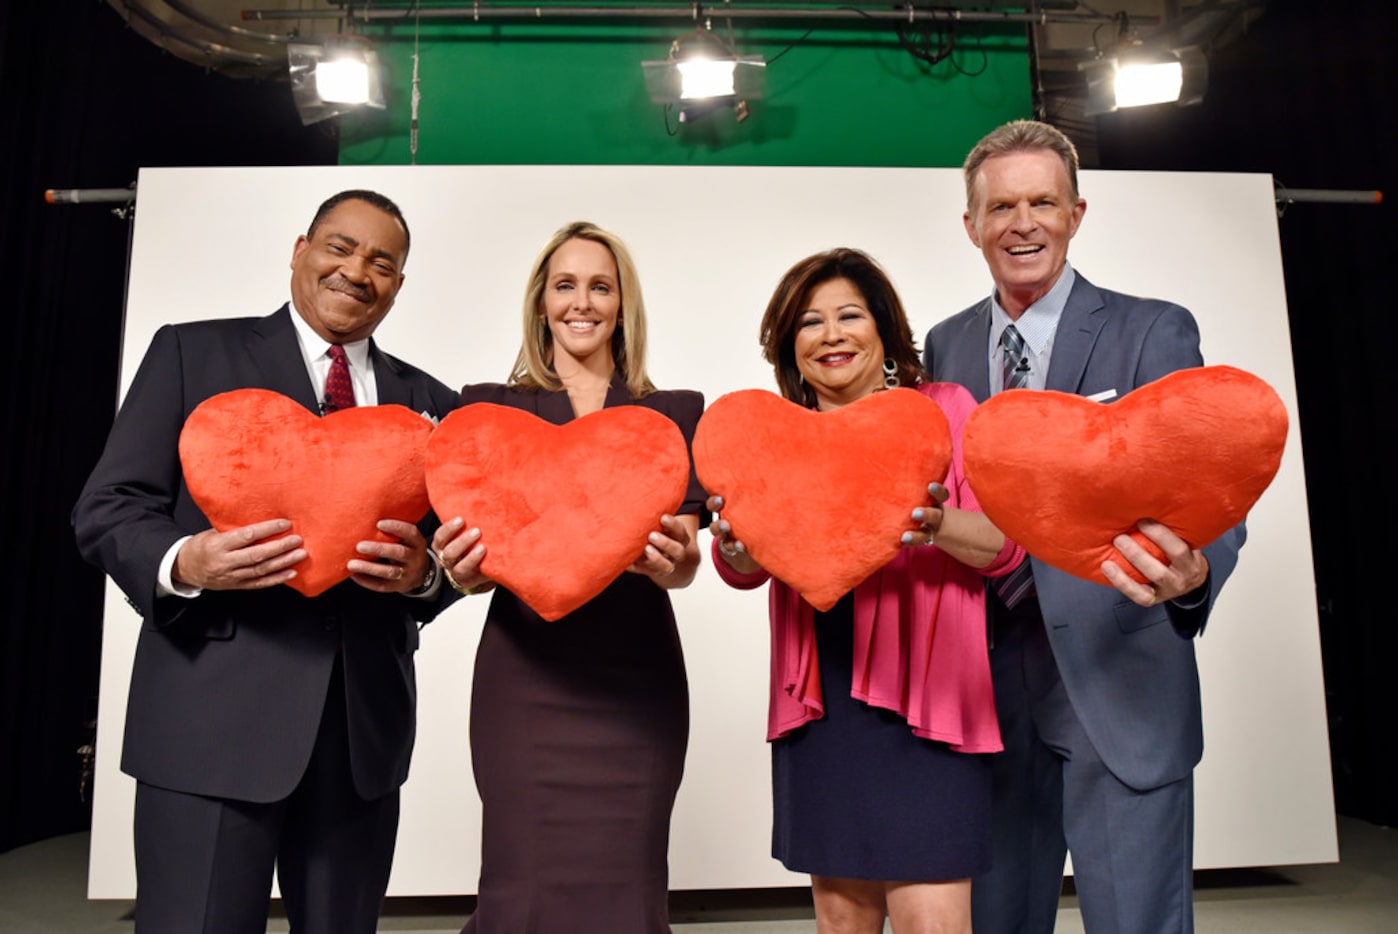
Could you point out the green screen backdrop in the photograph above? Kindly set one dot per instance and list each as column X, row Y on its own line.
column 574, row 94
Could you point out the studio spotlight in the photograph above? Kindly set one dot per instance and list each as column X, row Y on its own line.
column 334, row 76
column 702, row 74
column 1139, row 78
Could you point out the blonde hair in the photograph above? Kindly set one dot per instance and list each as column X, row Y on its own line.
column 533, row 367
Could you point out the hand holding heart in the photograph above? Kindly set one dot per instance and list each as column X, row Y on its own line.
column 348, row 486
column 241, row 558
column 1071, row 479
column 1177, row 571
column 556, row 512
column 820, row 499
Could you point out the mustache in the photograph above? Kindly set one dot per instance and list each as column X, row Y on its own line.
column 340, row 284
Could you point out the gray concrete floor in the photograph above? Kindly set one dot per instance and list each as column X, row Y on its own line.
column 42, row 891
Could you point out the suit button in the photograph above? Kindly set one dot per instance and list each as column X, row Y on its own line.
column 330, row 623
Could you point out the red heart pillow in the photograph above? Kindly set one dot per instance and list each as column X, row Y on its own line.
column 821, row 499
column 1063, row 475
column 252, row 454
column 562, row 509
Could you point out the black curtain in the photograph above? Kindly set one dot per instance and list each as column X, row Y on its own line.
column 1309, row 96
column 89, row 103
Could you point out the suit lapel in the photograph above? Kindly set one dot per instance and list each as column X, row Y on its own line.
column 976, row 347
column 1076, row 336
column 393, row 389
column 277, row 355
column 956, row 351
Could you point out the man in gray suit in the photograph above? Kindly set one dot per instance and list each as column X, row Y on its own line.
column 263, row 727
column 1096, row 687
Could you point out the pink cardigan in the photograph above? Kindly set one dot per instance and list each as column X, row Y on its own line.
column 919, row 630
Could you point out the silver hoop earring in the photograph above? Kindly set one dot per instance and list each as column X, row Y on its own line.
column 890, row 374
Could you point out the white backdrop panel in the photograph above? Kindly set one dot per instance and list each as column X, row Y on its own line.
column 710, row 244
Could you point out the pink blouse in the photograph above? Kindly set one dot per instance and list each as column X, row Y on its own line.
column 919, row 630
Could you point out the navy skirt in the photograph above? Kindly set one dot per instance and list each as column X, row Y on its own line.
column 856, row 795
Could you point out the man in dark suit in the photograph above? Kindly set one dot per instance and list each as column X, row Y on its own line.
column 264, row 727
column 1097, row 688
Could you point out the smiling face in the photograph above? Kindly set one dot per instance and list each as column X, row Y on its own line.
column 1023, row 214
column 581, row 300
column 346, row 273
column 837, row 344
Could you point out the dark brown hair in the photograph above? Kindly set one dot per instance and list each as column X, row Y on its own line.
column 778, row 332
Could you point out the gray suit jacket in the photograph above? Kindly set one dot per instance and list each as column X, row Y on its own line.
column 1129, row 671
column 227, row 688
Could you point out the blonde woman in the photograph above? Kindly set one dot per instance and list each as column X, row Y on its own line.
column 579, row 726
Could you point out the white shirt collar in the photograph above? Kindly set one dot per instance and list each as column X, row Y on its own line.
column 1040, row 320
column 314, row 347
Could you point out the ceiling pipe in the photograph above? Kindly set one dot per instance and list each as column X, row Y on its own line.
column 237, row 32
column 546, row 10
column 202, row 46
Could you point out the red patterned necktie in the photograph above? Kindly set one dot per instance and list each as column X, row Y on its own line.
column 339, row 391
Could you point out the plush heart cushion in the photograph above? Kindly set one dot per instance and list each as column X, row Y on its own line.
column 821, row 499
column 562, row 509
column 251, row 455
column 1063, row 476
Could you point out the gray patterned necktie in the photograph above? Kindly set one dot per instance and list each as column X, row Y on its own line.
column 1019, row 583
column 1015, row 365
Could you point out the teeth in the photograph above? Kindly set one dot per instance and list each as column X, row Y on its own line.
column 581, row 325
column 1022, row 250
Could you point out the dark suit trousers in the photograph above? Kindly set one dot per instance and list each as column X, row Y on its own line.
column 1132, row 849
column 205, row 864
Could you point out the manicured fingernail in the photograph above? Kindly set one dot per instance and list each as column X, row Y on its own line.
column 724, row 527
column 718, row 502
column 917, row 515
column 907, row 538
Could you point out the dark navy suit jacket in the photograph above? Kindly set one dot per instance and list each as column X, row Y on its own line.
column 227, row 689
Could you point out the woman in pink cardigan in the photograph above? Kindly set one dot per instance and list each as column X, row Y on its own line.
column 882, row 708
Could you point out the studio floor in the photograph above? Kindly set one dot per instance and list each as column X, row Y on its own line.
column 43, row 891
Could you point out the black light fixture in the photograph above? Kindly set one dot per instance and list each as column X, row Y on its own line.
column 702, row 74
column 1140, row 77
column 334, row 76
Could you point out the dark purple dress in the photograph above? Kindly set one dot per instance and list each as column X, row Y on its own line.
column 578, row 736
